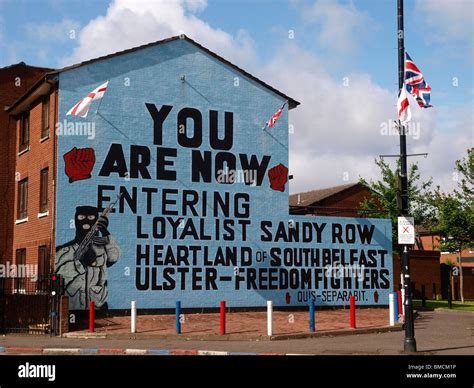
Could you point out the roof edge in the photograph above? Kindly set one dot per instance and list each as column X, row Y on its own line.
column 46, row 77
column 25, row 64
column 348, row 186
column 291, row 101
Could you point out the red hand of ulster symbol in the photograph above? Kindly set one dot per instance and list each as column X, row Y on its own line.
column 376, row 297
column 278, row 176
column 79, row 163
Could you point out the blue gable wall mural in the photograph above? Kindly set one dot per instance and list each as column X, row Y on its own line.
column 203, row 213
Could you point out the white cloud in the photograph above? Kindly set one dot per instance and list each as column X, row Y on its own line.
column 340, row 25
column 450, row 19
column 333, row 117
column 130, row 23
column 196, row 5
column 452, row 134
column 55, row 32
column 312, row 171
column 337, row 127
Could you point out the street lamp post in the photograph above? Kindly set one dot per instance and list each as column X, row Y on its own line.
column 410, row 342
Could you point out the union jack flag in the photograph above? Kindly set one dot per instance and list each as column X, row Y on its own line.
column 271, row 122
column 416, row 84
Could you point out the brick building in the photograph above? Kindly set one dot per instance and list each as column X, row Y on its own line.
column 15, row 81
column 430, row 241
column 339, row 201
column 425, row 271
column 178, row 231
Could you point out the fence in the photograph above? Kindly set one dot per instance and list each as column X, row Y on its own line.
column 28, row 306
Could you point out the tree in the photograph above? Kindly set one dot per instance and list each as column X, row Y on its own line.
column 455, row 226
column 384, row 202
column 465, row 177
column 453, row 219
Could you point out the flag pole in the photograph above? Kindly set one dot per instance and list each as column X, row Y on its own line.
column 98, row 106
column 410, row 342
column 100, row 102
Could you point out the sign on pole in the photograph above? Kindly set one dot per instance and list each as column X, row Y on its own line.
column 406, row 230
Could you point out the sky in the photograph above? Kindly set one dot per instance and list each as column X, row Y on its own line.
column 337, row 57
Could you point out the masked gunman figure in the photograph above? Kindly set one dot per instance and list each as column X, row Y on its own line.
column 85, row 277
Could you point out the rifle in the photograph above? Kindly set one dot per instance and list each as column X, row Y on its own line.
column 87, row 241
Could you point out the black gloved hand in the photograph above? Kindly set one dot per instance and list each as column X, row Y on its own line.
column 88, row 258
column 102, row 224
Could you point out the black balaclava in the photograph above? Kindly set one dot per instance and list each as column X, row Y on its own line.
column 85, row 215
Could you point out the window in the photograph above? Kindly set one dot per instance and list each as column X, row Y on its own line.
column 45, row 118
column 22, row 203
column 20, row 268
column 43, row 261
column 43, row 206
column 24, row 131
column 21, row 257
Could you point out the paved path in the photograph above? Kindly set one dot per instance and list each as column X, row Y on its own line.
column 439, row 332
column 241, row 325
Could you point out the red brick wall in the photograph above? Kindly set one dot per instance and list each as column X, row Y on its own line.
column 41, row 154
column 14, row 81
column 430, row 242
column 424, row 270
column 63, row 315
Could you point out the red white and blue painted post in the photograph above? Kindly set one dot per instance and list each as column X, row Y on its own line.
column 395, row 307
column 133, row 318
column 222, row 326
column 400, row 303
column 91, row 317
column 403, row 301
column 353, row 312
column 178, row 317
column 269, row 318
column 311, row 316
column 391, row 308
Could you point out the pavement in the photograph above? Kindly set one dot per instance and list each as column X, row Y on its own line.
column 239, row 325
column 437, row 333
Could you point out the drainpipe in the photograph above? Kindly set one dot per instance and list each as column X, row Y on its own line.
column 54, row 167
